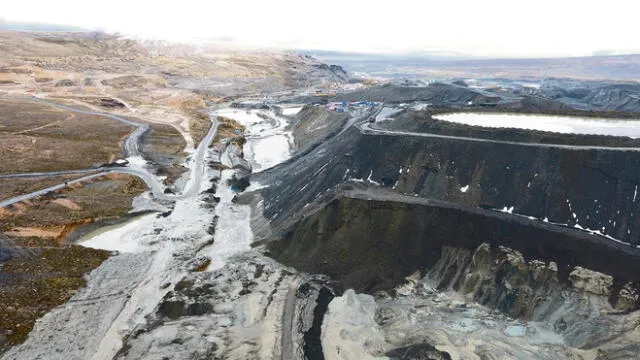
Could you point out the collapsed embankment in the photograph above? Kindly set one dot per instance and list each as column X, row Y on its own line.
column 590, row 188
column 371, row 245
column 582, row 288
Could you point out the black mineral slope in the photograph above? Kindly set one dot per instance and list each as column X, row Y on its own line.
column 584, row 288
column 314, row 124
column 607, row 96
column 372, row 245
column 437, row 93
column 595, row 189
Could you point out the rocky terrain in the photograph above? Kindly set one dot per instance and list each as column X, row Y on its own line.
column 422, row 212
column 78, row 111
column 600, row 95
column 399, row 238
column 263, row 224
column 439, row 66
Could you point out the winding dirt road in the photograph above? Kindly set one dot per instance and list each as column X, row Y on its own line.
column 131, row 149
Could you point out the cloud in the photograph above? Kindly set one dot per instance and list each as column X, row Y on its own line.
column 481, row 28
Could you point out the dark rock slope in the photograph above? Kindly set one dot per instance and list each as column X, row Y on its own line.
column 581, row 286
column 314, row 124
column 373, row 245
column 437, row 93
column 595, row 189
column 593, row 95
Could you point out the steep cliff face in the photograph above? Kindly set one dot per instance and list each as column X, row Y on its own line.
column 620, row 98
column 594, row 189
column 334, row 71
column 503, row 279
column 372, row 245
column 586, row 309
column 568, row 289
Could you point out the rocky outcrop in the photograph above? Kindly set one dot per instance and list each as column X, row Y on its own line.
column 591, row 281
column 336, row 70
column 233, row 157
column 615, row 97
column 374, row 245
column 593, row 95
column 433, row 265
column 65, row 83
column 250, row 308
column 502, row 278
column 534, row 290
column 418, row 352
column 422, row 322
column 577, row 325
column 110, row 102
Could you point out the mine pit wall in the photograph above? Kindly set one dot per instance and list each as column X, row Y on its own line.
column 374, row 245
column 599, row 186
column 517, row 267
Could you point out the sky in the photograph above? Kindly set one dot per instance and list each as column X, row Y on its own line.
column 487, row 28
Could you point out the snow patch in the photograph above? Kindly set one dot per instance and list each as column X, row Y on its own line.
column 270, row 151
column 233, row 232
column 137, row 161
column 268, row 144
column 349, row 330
column 369, row 179
column 120, row 239
column 507, row 210
column 291, row 111
column 386, row 114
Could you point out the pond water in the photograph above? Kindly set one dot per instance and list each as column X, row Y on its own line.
column 558, row 124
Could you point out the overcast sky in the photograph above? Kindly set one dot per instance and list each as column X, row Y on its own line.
column 492, row 28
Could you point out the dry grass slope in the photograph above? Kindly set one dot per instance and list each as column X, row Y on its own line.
column 105, row 197
column 36, row 137
column 13, row 187
column 33, row 284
